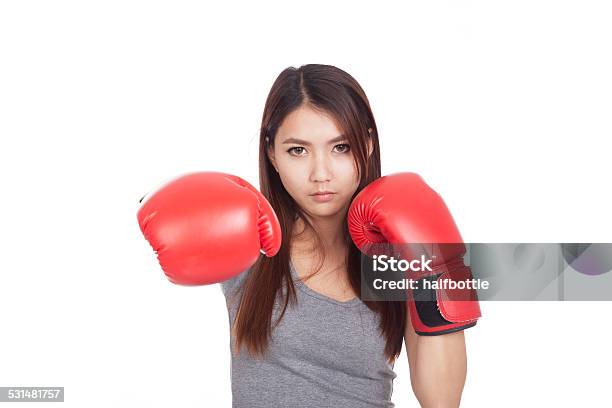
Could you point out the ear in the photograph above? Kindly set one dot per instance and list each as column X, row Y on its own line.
column 271, row 156
column 370, row 144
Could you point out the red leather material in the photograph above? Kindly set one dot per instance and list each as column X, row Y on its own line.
column 207, row 227
column 457, row 305
column 402, row 210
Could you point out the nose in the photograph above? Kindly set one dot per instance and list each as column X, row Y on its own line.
column 321, row 169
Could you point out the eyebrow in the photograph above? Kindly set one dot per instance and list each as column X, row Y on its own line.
column 304, row 142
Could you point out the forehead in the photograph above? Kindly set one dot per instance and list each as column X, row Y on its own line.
column 308, row 124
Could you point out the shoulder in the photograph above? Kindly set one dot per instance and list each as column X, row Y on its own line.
column 232, row 285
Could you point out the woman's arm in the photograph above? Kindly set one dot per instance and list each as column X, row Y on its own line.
column 438, row 367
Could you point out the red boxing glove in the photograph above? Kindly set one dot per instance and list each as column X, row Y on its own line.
column 402, row 209
column 208, row 227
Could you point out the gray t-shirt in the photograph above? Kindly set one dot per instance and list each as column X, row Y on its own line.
column 323, row 353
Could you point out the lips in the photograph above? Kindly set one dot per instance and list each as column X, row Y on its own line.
column 323, row 196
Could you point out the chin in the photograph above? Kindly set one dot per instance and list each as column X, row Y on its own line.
column 324, row 212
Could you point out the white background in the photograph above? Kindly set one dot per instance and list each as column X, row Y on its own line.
column 503, row 107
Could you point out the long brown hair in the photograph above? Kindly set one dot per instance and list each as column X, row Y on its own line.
column 335, row 92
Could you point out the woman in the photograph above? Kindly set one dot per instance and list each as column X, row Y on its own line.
column 328, row 348
column 301, row 334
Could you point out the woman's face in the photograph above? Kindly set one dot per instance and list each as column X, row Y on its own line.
column 312, row 156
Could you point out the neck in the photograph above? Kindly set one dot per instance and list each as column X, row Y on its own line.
column 328, row 228
column 333, row 253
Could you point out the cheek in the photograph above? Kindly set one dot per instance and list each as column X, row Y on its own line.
column 347, row 173
column 292, row 175
column 293, row 183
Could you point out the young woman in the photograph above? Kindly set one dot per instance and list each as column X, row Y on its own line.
column 301, row 335
column 329, row 348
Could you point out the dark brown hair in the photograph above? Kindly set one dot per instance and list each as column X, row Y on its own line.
column 335, row 92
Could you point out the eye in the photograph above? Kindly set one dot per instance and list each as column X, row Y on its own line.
column 343, row 147
column 297, row 150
